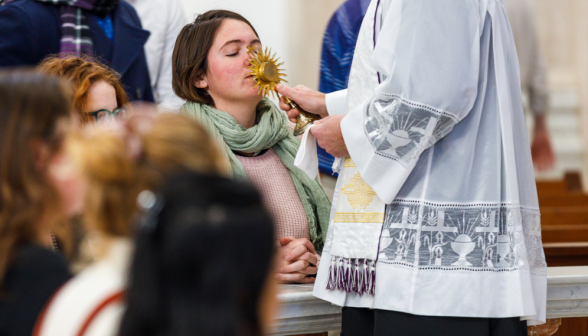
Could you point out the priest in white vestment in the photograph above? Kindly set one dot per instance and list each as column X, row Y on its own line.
column 433, row 123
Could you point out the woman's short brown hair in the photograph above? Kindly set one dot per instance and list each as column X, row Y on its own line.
column 83, row 71
column 33, row 105
column 190, row 57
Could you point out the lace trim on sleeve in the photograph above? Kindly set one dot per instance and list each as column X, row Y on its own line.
column 401, row 130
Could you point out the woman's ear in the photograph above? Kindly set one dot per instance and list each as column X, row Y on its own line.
column 201, row 82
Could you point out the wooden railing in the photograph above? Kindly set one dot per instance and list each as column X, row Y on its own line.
column 564, row 226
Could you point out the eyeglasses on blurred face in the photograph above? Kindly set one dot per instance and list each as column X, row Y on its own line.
column 104, row 115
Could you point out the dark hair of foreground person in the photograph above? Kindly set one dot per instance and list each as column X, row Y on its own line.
column 193, row 271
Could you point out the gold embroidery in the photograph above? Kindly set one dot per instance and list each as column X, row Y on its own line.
column 348, row 162
column 353, row 217
column 359, row 194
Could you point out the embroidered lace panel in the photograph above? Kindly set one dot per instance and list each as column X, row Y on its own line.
column 401, row 130
column 474, row 237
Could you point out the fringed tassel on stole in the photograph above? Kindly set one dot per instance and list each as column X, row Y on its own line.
column 360, row 277
column 366, row 272
column 352, row 275
column 332, row 284
column 347, row 276
column 340, row 274
column 372, row 288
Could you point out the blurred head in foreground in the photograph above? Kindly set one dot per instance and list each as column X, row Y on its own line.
column 122, row 159
column 203, row 262
column 34, row 117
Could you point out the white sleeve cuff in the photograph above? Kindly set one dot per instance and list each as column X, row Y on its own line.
column 336, row 102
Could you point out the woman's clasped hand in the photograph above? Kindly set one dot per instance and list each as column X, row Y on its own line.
column 297, row 260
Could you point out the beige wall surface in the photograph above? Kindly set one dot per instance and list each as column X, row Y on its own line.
column 308, row 20
column 563, row 37
column 559, row 30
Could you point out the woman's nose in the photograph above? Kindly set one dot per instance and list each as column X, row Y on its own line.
column 246, row 59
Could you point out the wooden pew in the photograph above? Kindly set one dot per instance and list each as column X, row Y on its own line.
column 564, row 229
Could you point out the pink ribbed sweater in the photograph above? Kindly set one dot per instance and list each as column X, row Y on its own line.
column 269, row 175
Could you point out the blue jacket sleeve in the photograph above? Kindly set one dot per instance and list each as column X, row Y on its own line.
column 19, row 38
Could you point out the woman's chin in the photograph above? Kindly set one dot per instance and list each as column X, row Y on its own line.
column 250, row 98
column 255, row 96
column 245, row 96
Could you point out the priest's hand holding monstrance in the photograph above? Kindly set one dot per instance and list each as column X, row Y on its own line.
column 267, row 74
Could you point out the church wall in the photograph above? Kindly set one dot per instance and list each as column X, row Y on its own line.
column 310, row 19
column 563, row 38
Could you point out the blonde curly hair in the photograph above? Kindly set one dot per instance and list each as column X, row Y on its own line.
column 120, row 163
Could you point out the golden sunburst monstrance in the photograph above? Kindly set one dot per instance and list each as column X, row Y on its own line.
column 266, row 73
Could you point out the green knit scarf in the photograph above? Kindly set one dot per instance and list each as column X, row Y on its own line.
column 272, row 130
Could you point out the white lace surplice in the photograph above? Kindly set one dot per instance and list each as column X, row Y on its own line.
column 436, row 127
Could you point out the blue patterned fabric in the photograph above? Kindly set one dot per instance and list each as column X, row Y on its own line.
column 337, row 55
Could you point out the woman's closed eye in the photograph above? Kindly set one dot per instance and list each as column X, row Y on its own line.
column 233, row 54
